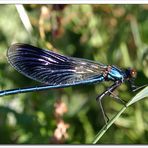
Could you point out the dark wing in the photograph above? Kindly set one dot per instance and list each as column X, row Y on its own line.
column 51, row 68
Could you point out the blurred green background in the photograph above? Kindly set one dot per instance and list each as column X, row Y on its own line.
column 110, row 34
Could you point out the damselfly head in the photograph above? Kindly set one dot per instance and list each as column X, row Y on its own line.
column 130, row 76
column 131, row 73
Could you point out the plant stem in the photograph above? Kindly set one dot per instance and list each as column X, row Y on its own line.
column 106, row 127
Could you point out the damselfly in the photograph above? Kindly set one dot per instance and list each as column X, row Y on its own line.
column 58, row 71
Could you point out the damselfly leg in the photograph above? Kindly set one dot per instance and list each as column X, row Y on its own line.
column 135, row 88
column 109, row 92
column 117, row 99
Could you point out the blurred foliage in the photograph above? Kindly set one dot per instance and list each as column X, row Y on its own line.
column 110, row 34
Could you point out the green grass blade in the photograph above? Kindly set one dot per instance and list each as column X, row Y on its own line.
column 106, row 127
column 142, row 94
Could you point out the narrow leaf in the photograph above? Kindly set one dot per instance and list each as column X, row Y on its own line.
column 142, row 94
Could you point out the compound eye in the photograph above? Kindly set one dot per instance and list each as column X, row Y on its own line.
column 133, row 73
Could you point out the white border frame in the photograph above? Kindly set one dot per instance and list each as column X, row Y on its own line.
column 73, row 1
